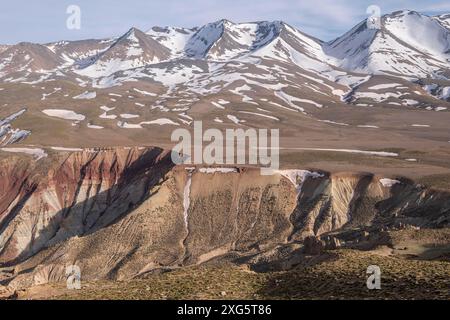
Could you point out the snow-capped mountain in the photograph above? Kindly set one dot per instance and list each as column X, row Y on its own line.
column 224, row 40
column 271, row 56
column 256, row 74
column 220, row 41
column 408, row 44
column 134, row 49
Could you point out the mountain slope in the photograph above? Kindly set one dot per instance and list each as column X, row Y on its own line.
column 175, row 39
column 3, row 48
column 444, row 19
column 28, row 58
column 80, row 53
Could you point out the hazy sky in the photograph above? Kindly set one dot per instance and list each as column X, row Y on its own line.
column 45, row 20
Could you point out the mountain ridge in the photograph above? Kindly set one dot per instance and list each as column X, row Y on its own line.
column 360, row 50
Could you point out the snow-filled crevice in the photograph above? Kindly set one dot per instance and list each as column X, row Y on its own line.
column 298, row 177
column 187, row 200
column 186, row 206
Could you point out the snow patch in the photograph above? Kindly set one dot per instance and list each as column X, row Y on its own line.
column 384, row 86
column 298, row 177
column 64, row 114
column 334, row 122
column 129, row 116
column 86, row 95
column 373, row 153
column 388, row 183
column 93, row 126
column 145, row 93
column 217, row 170
column 368, row 126
column 234, row 119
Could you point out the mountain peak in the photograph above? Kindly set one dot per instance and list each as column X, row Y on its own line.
column 223, row 39
column 224, row 22
column 133, row 33
column 400, row 13
column 133, row 49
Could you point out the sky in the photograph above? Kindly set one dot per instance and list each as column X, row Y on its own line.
column 45, row 20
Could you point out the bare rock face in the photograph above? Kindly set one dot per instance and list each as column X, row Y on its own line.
column 49, row 273
column 236, row 212
column 121, row 213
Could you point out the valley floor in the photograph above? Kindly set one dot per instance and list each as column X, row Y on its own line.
column 339, row 274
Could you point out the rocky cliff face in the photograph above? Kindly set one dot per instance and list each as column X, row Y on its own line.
column 72, row 195
column 120, row 213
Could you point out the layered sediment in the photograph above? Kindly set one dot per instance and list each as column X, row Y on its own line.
column 121, row 213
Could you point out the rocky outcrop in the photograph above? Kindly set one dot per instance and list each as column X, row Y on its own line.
column 121, row 213
column 7, row 293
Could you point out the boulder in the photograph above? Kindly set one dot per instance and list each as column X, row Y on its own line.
column 313, row 245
